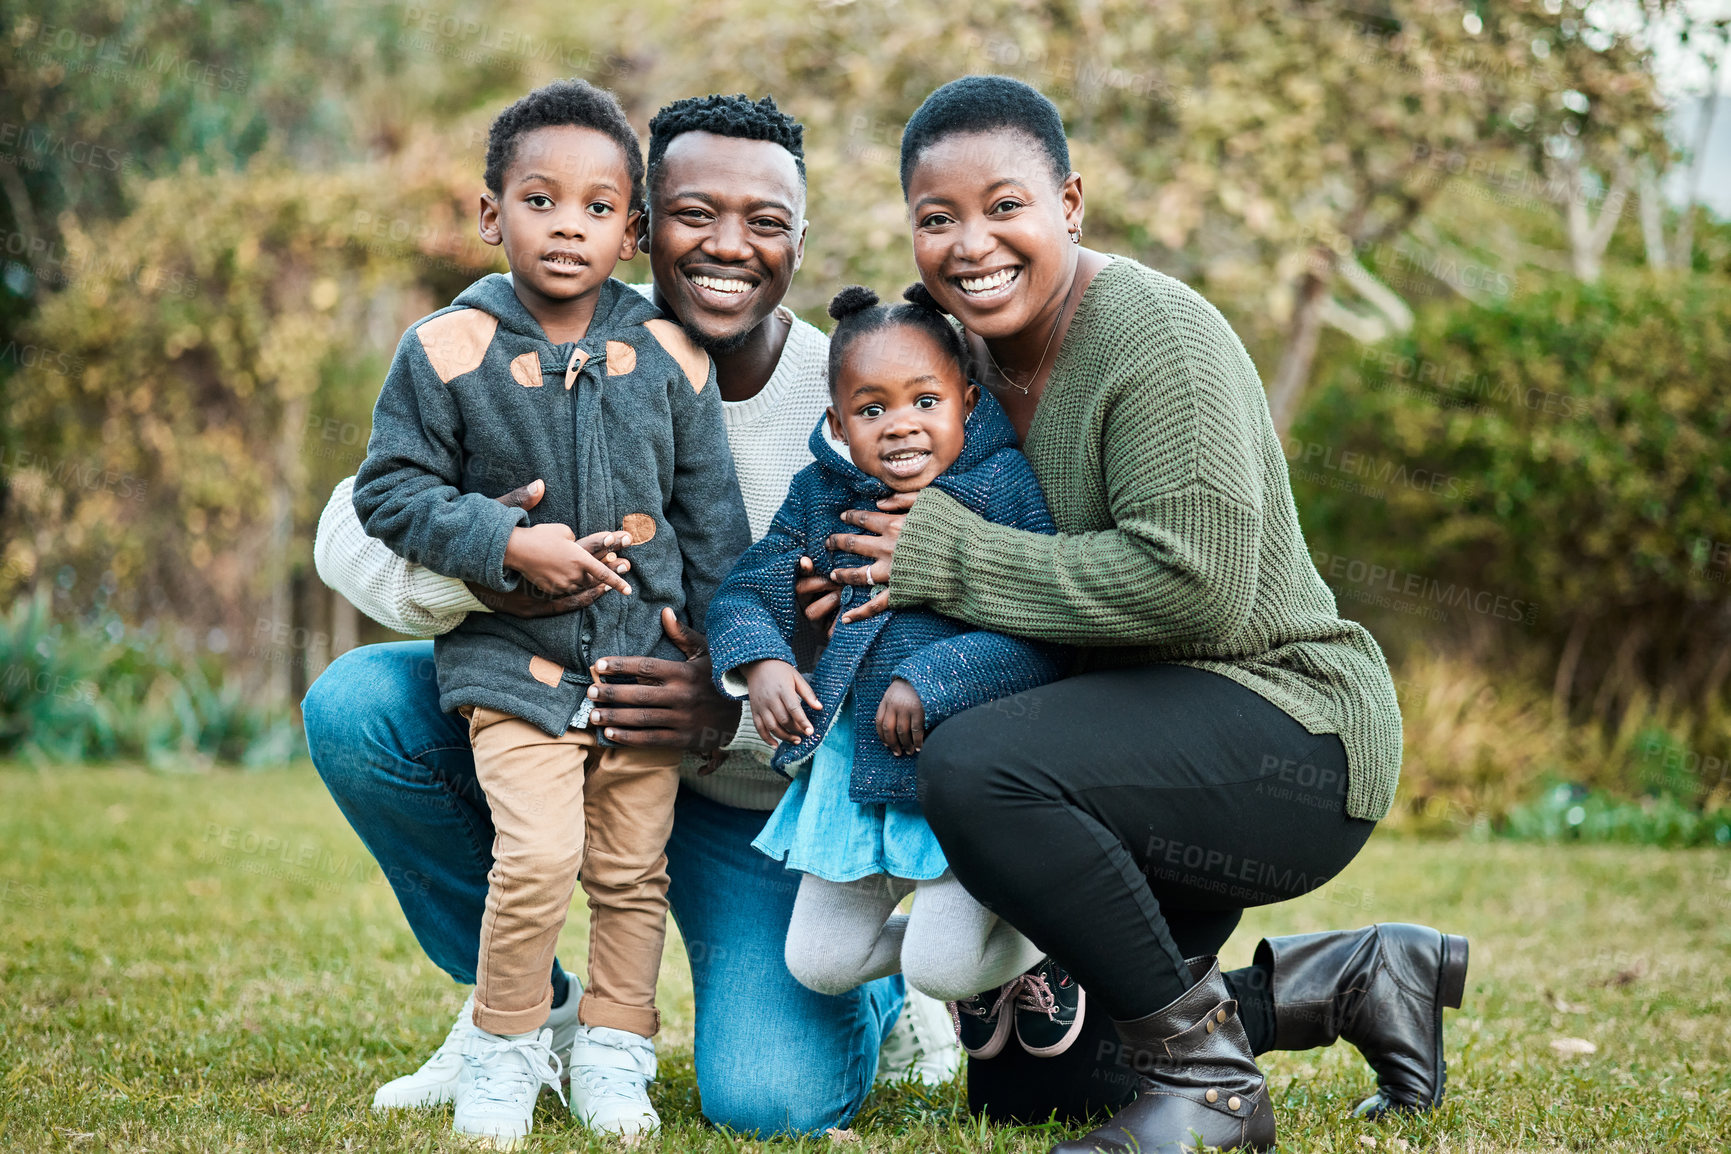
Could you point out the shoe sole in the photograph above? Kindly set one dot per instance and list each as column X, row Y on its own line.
column 1070, row 1036
column 995, row 1044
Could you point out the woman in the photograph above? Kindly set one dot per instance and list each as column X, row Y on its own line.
column 1227, row 741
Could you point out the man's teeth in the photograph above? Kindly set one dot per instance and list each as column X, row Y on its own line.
column 980, row 284
column 720, row 285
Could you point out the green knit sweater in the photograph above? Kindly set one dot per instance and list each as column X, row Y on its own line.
column 1177, row 536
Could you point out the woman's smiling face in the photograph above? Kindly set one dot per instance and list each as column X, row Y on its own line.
column 991, row 224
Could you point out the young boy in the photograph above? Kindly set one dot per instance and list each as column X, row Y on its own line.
column 559, row 373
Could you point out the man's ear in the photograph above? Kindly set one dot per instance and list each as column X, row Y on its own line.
column 628, row 243
column 489, row 222
column 835, row 429
column 643, row 231
column 799, row 246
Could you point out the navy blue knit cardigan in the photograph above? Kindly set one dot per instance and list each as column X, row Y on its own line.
column 951, row 665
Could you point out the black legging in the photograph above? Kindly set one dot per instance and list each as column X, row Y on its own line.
column 1123, row 820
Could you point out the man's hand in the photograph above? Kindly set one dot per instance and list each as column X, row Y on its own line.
column 551, row 556
column 777, row 690
column 818, row 597
column 673, row 705
column 901, row 719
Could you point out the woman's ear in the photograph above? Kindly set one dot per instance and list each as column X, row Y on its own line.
column 489, row 222
column 835, row 427
column 1070, row 196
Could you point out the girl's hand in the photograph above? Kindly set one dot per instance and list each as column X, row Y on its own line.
column 877, row 544
column 777, row 691
column 901, row 719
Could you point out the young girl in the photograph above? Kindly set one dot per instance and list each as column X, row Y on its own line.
column 907, row 416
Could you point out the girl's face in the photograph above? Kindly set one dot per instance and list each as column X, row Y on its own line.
column 992, row 228
column 900, row 402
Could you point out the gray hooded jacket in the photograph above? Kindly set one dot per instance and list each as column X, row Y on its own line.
column 625, row 428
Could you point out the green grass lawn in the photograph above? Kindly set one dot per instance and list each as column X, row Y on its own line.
column 213, row 963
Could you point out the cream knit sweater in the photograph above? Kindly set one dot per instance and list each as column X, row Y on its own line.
column 767, row 434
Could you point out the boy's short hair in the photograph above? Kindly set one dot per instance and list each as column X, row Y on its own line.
column 986, row 104
column 737, row 116
column 564, row 102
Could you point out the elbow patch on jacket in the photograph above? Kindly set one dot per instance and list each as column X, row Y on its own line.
column 457, row 342
column 692, row 359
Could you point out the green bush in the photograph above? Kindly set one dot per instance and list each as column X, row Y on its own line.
column 1557, row 466
column 88, row 692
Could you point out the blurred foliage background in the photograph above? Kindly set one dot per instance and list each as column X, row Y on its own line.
column 1499, row 359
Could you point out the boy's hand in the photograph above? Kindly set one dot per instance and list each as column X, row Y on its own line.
column 552, row 557
column 901, row 719
column 777, row 690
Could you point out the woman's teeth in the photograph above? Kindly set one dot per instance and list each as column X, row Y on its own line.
column 719, row 285
column 988, row 285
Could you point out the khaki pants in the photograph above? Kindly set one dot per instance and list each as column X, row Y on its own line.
column 566, row 808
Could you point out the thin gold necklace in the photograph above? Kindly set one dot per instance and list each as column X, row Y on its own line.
column 1003, row 373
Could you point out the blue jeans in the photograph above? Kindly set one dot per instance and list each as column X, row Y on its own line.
column 772, row 1057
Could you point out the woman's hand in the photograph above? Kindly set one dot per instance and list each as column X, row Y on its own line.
column 777, row 690
column 877, row 544
column 901, row 719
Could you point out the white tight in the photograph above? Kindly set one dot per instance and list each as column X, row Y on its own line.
column 844, row 934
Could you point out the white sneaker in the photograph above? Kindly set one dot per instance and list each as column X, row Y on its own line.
column 610, row 1075
column 922, row 1045
column 502, row 1076
column 435, row 1083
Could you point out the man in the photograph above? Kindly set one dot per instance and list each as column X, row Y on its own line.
column 725, row 233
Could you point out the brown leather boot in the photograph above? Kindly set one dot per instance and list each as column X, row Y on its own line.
column 1198, row 1084
column 1382, row 988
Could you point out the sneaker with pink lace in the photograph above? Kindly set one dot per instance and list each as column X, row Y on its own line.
column 1049, row 1008
column 983, row 1021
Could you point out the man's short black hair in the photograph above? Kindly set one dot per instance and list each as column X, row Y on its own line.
column 738, row 116
column 986, row 104
column 574, row 102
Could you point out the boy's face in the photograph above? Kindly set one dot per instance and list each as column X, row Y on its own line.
column 726, row 231
column 562, row 213
column 900, row 402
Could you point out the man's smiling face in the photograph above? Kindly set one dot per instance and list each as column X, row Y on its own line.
column 726, row 233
